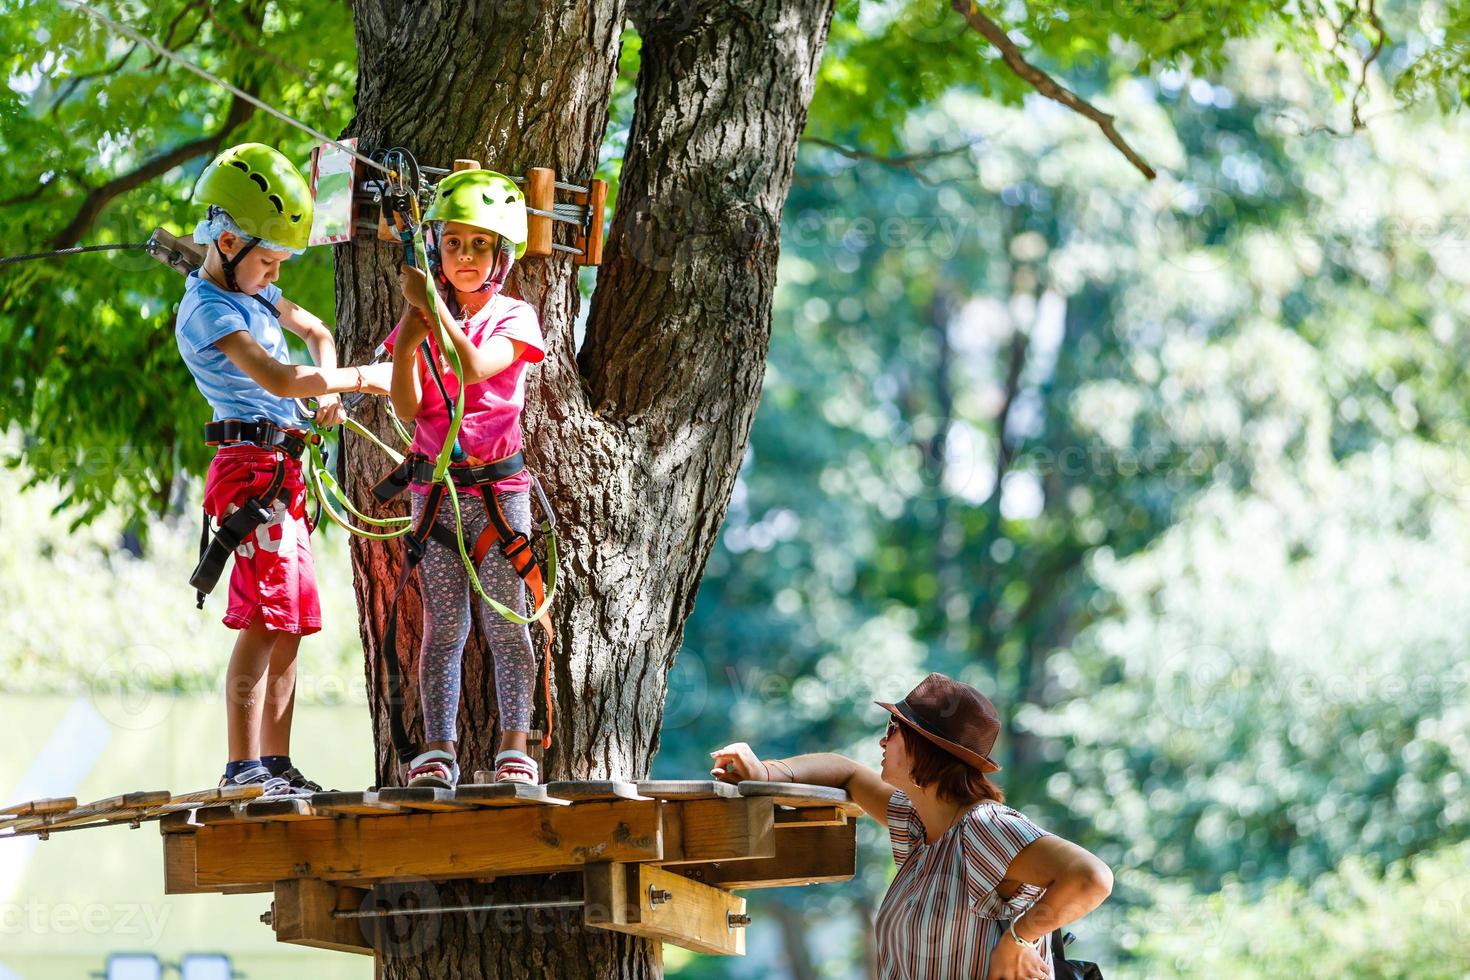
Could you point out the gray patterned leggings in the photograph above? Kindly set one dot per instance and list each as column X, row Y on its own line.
column 447, row 591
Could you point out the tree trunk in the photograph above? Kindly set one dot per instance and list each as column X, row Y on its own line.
column 638, row 437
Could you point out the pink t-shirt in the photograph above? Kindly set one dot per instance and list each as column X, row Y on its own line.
column 492, row 408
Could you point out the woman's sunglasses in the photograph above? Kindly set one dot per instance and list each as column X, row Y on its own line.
column 892, row 727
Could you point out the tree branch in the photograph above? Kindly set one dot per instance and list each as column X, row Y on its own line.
column 99, row 197
column 907, row 162
column 1045, row 84
column 75, row 80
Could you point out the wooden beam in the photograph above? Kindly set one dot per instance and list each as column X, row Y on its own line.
column 715, row 830
column 811, row 816
column 646, row 901
column 804, row 856
column 302, row 914
column 467, row 844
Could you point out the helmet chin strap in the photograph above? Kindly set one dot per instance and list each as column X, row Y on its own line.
column 227, row 266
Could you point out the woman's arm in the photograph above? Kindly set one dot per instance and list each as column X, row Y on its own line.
column 864, row 785
column 1076, row 882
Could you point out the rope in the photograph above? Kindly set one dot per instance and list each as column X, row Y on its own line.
column 159, row 49
column 6, row 260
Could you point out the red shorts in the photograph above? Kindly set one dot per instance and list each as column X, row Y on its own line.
column 274, row 579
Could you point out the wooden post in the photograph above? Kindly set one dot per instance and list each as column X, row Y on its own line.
column 466, row 164
column 589, row 240
column 657, row 904
column 541, row 195
column 302, row 914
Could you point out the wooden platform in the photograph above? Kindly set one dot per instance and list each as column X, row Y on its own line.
column 659, row 859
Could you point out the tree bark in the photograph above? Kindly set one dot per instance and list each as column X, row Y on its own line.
column 638, row 437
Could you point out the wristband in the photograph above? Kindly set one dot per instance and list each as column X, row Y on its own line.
column 1034, row 946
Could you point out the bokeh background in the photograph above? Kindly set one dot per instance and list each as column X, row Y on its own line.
column 1175, row 470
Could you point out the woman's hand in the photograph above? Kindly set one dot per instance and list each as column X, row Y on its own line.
column 1011, row 961
column 736, row 763
column 415, row 285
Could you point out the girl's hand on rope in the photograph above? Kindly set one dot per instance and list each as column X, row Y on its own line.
column 329, row 411
column 415, row 286
column 412, row 331
column 1010, row 961
column 736, row 763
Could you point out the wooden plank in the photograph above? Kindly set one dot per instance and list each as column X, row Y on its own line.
column 804, row 856
column 110, row 810
column 466, row 844
column 801, row 795
column 270, row 808
column 421, row 798
column 184, row 802
column 354, row 804
column 646, row 901
column 687, row 789
column 718, row 830
column 586, row 790
column 36, row 807
column 507, row 794
column 302, row 914
column 811, row 816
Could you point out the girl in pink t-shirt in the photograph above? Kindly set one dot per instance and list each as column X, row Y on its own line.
column 496, row 337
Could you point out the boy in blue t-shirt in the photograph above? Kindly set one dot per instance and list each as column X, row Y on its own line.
column 229, row 330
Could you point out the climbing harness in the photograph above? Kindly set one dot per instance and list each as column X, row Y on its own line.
column 215, row 547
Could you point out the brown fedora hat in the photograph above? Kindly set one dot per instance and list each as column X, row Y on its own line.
column 952, row 715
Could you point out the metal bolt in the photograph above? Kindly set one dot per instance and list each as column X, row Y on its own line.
column 658, row 896
column 265, row 917
column 737, row 920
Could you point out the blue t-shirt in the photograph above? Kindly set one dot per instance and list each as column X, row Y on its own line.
column 208, row 313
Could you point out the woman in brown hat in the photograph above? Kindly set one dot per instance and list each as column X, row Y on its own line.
column 979, row 886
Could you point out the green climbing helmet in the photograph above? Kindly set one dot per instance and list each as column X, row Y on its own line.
column 483, row 199
column 263, row 191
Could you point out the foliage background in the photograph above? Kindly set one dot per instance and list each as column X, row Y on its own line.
column 1177, row 469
